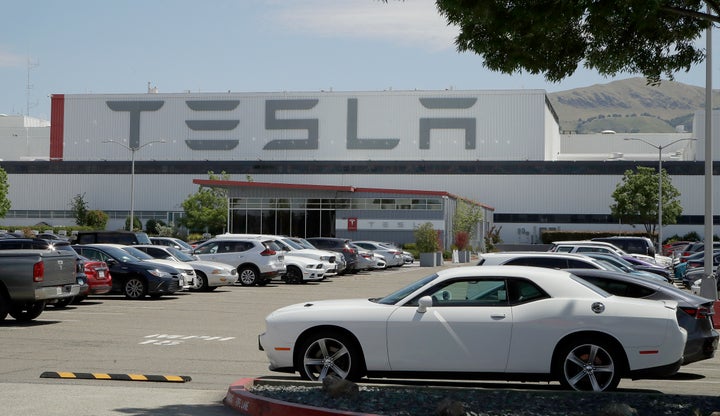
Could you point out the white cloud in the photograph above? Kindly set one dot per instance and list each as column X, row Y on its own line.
column 9, row 59
column 414, row 23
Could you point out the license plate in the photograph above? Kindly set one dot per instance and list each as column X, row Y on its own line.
column 101, row 274
column 59, row 290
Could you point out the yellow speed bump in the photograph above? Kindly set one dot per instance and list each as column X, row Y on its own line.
column 122, row 377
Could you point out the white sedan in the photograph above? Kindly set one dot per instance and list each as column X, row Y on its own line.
column 506, row 322
column 209, row 274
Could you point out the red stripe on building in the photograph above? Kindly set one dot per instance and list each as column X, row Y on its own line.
column 57, row 126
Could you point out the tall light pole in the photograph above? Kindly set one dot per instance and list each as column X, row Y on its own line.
column 132, row 150
column 660, row 193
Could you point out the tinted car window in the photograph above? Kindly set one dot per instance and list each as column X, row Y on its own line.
column 546, row 262
column 620, row 288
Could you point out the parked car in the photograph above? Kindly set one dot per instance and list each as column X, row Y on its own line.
column 696, row 247
column 626, row 267
column 550, row 260
column 366, row 258
column 112, row 237
column 130, row 275
column 590, row 246
column 187, row 272
column 339, row 245
column 694, row 313
column 675, row 248
column 393, row 256
column 655, row 268
column 293, row 249
column 98, row 277
column 209, row 275
column 340, row 263
column 692, row 267
column 519, row 323
column 173, row 242
column 257, row 261
column 631, row 244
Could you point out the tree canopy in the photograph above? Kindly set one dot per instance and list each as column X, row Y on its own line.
column 636, row 199
column 206, row 210
column 656, row 38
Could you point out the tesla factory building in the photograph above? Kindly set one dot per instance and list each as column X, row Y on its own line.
column 350, row 164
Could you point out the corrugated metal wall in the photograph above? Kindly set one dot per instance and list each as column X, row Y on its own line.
column 505, row 125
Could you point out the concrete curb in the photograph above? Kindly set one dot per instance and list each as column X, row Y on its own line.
column 239, row 397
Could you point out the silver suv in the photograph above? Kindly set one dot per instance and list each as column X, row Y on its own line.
column 258, row 261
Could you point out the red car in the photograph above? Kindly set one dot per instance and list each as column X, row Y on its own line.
column 98, row 278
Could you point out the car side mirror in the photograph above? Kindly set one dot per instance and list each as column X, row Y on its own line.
column 111, row 262
column 424, row 303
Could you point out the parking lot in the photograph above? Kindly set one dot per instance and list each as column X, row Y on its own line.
column 209, row 337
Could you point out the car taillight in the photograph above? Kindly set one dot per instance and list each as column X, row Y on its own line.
column 38, row 272
column 698, row 313
column 349, row 250
column 268, row 252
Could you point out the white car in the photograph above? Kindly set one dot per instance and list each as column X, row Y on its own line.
column 507, row 322
column 208, row 274
column 393, row 256
column 257, row 260
column 187, row 273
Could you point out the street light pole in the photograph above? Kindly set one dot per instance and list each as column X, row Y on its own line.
column 660, row 192
column 132, row 150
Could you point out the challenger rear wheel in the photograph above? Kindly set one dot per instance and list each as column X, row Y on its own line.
column 589, row 366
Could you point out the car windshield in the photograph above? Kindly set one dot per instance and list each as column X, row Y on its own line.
column 138, row 254
column 183, row 244
column 292, row 244
column 304, row 243
column 401, row 294
column 612, row 266
column 179, row 254
column 121, row 255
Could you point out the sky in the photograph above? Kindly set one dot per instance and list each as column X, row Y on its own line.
column 102, row 46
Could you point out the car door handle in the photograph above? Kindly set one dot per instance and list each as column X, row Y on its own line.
column 497, row 315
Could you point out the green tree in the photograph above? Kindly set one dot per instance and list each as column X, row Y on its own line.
column 137, row 224
column 426, row 238
column 206, row 210
column 96, row 219
column 467, row 217
column 4, row 187
column 79, row 208
column 554, row 37
column 636, row 199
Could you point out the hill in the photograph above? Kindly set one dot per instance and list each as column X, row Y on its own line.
column 629, row 106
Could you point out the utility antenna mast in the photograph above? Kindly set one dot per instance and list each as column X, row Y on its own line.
column 29, row 86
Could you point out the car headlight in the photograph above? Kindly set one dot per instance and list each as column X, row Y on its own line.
column 159, row 273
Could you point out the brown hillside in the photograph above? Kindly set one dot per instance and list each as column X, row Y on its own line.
column 628, row 98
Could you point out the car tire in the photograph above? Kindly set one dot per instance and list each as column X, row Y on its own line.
column 62, row 303
column 293, row 275
column 326, row 353
column 202, row 282
column 4, row 306
column 248, row 276
column 27, row 311
column 78, row 299
column 589, row 365
column 135, row 288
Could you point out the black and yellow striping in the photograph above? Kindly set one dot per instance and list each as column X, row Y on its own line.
column 123, row 377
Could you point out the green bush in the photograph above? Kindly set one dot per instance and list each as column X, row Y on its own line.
column 426, row 238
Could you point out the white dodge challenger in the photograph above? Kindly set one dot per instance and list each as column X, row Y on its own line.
column 490, row 322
